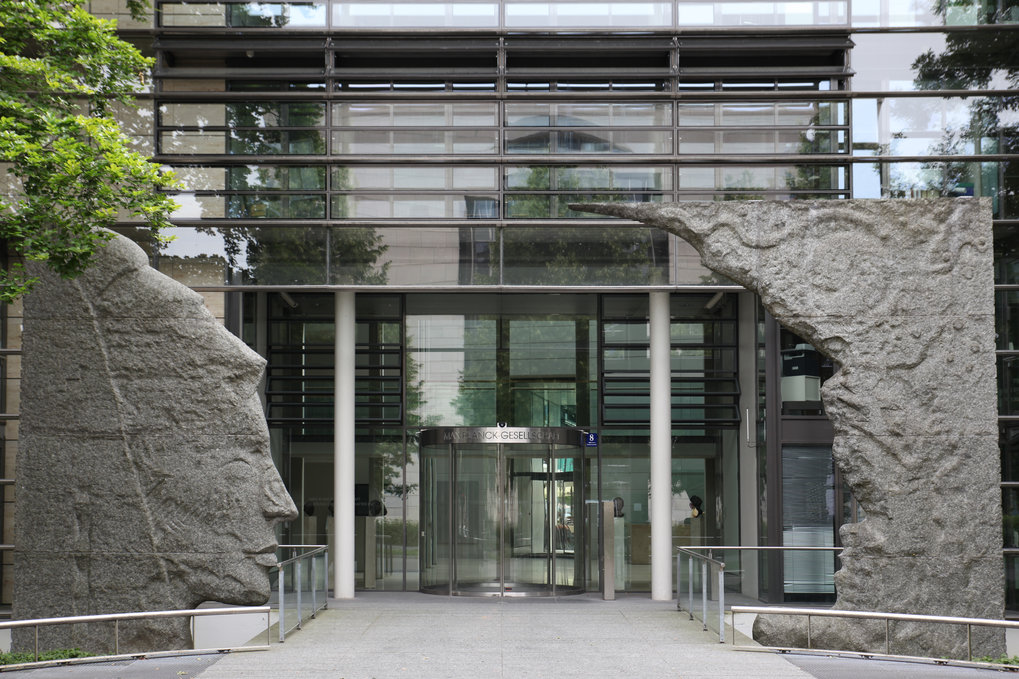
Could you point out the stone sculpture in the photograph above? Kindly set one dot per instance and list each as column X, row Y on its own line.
column 144, row 479
column 900, row 294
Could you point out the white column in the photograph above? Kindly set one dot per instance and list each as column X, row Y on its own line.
column 661, row 448
column 343, row 447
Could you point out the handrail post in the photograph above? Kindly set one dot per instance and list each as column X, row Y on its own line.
column 888, row 637
column 704, row 594
column 314, row 584
column 37, row 642
column 679, row 580
column 808, row 632
column 690, row 584
column 969, row 641
column 297, row 585
column 721, row 605
column 282, row 598
column 116, row 637
column 325, row 578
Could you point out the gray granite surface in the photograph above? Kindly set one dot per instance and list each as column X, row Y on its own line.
column 900, row 295
column 144, row 480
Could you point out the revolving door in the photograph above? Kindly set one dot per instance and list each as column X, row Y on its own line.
column 502, row 511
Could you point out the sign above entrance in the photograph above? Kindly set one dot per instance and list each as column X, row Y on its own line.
column 507, row 435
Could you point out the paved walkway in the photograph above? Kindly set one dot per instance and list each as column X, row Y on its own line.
column 417, row 636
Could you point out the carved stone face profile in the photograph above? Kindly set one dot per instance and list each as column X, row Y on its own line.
column 144, row 478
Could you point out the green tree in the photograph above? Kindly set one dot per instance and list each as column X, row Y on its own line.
column 70, row 168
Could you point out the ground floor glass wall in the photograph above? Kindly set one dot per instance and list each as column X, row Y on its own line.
column 533, row 361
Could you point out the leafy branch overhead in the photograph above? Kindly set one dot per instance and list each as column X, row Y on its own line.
column 69, row 168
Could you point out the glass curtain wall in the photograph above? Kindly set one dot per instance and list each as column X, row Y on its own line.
column 309, row 161
column 705, row 399
column 475, row 360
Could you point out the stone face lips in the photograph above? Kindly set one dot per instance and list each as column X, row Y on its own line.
column 900, row 294
column 144, row 480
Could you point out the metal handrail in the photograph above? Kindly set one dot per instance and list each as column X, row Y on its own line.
column 871, row 615
column 706, row 561
column 783, row 548
column 115, row 618
column 296, row 561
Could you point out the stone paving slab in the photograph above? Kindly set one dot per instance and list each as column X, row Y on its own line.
column 408, row 635
column 383, row 636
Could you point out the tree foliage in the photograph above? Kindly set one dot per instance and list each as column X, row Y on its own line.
column 70, row 169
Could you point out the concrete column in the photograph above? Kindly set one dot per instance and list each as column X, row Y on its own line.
column 343, row 446
column 661, row 448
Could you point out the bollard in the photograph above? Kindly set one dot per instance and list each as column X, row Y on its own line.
column 608, row 550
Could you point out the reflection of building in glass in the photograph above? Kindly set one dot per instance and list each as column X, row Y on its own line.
column 430, row 172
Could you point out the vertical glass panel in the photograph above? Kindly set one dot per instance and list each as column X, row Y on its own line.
column 570, row 487
column 547, row 256
column 1006, row 254
column 933, row 179
column 697, row 142
column 625, row 476
column 1006, row 319
column 276, row 15
column 520, row 114
column 435, row 544
column 1009, row 443
column 275, row 114
column 1012, row 581
column 181, row 14
column 378, row 510
column 1008, row 385
column 528, row 142
column 1010, row 518
column 196, row 142
column 529, row 537
column 411, row 206
column 416, row 14
column 457, row 359
column 355, row 142
column 477, row 518
column 808, row 514
column 748, row 114
column 460, row 114
column 601, row 114
column 696, row 114
column 528, row 14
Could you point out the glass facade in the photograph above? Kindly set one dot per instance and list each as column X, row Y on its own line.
column 426, row 155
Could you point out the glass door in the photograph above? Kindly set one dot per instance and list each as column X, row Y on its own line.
column 527, row 553
column 477, row 518
column 498, row 511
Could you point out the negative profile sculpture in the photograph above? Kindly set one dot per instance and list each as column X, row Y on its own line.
column 144, row 478
column 900, row 295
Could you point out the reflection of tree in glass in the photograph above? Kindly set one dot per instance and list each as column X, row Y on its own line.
column 573, row 256
column 974, row 61
column 278, row 255
column 257, row 15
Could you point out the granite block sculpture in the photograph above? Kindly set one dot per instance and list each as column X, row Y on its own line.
column 144, row 479
column 900, row 295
